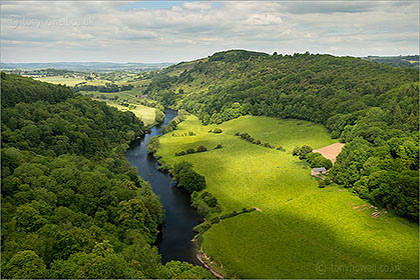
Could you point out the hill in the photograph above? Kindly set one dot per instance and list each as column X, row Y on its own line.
column 86, row 66
column 259, row 82
column 372, row 107
column 397, row 61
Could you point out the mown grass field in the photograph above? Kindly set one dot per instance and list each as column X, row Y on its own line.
column 302, row 231
column 70, row 81
column 146, row 114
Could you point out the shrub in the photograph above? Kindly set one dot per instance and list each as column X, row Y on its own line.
column 201, row 149
column 219, row 146
column 152, row 145
column 317, row 160
column 171, row 126
column 191, row 181
column 159, row 116
column 205, row 203
column 304, row 151
column 166, row 129
column 190, row 151
column 215, row 220
column 181, row 153
column 164, row 167
column 209, row 199
column 202, row 208
column 202, row 227
column 247, row 137
column 187, row 178
column 217, row 130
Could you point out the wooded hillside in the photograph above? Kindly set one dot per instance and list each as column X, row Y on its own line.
column 72, row 206
column 372, row 107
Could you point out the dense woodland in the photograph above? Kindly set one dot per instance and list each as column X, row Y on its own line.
column 372, row 107
column 72, row 206
column 397, row 61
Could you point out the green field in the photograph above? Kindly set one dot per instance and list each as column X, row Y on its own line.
column 302, row 231
column 146, row 114
column 70, row 81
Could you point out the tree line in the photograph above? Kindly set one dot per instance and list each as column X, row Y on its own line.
column 108, row 87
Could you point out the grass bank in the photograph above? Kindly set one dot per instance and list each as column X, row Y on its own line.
column 70, row 81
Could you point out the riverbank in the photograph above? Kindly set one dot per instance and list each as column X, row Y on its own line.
column 206, row 262
column 176, row 232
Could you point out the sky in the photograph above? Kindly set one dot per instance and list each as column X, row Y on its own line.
column 174, row 31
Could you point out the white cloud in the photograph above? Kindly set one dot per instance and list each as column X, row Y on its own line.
column 264, row 19
column 197, row 5
column 74, row 31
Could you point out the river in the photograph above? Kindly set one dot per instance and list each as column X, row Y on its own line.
column 174, row 241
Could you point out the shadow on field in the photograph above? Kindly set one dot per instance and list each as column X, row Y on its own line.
column 288, row 239
column 274, row 245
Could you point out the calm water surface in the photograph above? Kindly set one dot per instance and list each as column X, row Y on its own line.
column 174, row 242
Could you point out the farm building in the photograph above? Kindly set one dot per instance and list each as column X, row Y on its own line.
column 318, row 171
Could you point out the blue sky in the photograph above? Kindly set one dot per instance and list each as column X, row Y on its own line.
column 156, row 5
column 173, row 31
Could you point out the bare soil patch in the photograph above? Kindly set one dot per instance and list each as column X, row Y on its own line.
column 205, row 260
column 331, row 151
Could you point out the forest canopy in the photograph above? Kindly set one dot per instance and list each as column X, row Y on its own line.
column 72, row 206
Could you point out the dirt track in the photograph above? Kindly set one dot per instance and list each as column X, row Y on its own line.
column 331, row 151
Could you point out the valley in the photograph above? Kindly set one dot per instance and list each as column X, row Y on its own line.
column 302, row 231
column 250, row 127
column 210, row 139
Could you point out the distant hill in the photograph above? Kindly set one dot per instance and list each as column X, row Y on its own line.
column 397, row 61
column 304, row 86
column 86, row 66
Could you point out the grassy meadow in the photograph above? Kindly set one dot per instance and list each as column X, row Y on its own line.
column 146, row 114
column 302, row 231
column 70, row 81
